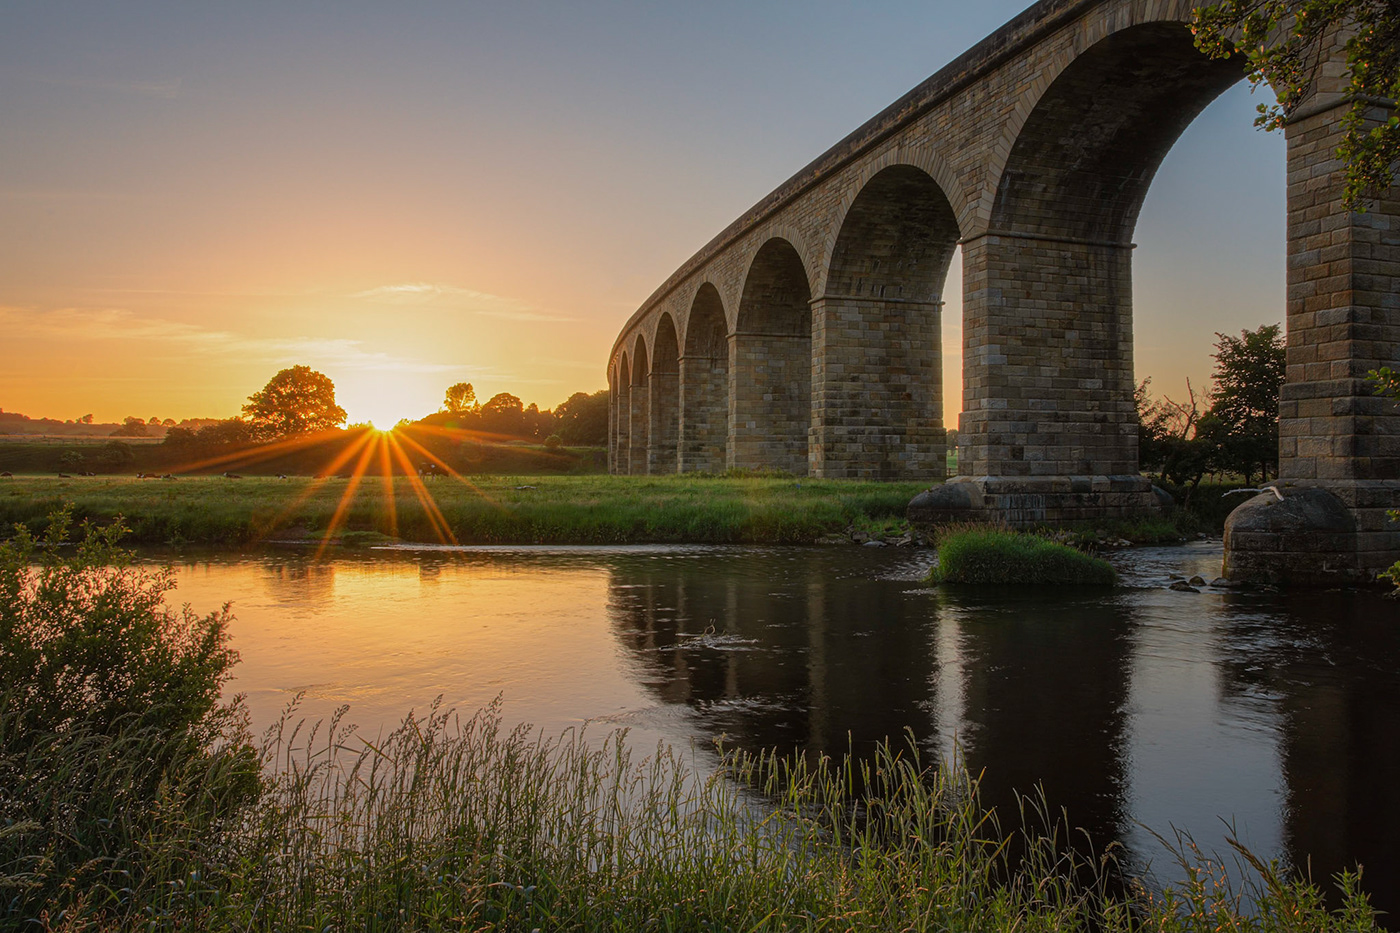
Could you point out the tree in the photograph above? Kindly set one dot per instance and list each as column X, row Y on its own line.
column 1249, row 373
column 221, row 435
column 1285, row 43
column 461, row 398
column 1173, row 438
column 131, row 427
column 583, row 419
column 503, row 414
column 296, row 401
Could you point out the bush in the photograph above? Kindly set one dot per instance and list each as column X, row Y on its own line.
column 116, row 755
column 553, row 441
column 1008, row 557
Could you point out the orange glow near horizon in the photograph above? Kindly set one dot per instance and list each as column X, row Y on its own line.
column 374, row 454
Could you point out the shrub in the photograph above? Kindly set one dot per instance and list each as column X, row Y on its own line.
column 116, row 754
column 1008, row 557
column 553, row 441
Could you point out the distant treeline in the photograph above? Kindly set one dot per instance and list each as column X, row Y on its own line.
column 12, row 422
column 581, row 420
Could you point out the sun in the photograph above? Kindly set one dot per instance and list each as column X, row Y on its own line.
column 384, row 401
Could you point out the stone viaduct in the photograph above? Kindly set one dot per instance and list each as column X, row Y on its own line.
column 806, row 335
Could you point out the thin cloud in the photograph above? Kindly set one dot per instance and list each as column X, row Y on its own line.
column 169, row 89
column 459, row 299
column 71, row 324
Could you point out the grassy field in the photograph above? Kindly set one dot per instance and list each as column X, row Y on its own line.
column 596, row 509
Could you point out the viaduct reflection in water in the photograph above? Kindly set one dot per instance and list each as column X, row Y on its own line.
column 806, row 656
column 1330, row 663
column 805, row 650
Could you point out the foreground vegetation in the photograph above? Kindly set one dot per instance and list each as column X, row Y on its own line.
column 131, row 798
column 487, row 510
column 452, row 824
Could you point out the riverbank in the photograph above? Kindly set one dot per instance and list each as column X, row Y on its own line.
column 215, row 510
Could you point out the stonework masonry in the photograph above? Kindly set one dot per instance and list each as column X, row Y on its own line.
column 806, row 336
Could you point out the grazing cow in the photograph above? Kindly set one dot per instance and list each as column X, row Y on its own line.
column 88, row 473
column 281, row 475
column 7, row 474
column 168, row 476
column 232, row 476
column 64, row 476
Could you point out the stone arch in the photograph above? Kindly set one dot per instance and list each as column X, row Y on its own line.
column 771, row 373
column 704, row 383
column 638, row 404
column 964, row 208
column 877, row 373
column 612, row 417
column 1090, row 146
column 663, row 391
column 622, row 463
column 1047, row 362
column 1048, row 69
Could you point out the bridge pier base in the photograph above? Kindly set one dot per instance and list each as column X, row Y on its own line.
column 1314, row 534
column 1025, row 501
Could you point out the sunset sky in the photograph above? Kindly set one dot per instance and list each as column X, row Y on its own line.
column 410, row 195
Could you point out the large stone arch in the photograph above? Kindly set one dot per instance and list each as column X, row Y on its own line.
column 770, row 376
column 704, row 383
column 876, row 333
column 663, row 391
column 1047, row 367
column 638, row 405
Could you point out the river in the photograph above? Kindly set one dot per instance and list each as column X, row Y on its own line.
column 1135, row 709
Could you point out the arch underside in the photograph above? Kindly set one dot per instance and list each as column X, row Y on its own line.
column 663, row 385
column 1047, row 363
column 770, row 378
column 638, row 410
column 877, row 344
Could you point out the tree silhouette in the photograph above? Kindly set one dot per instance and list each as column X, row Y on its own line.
column 503, row 414
column 461, row 398
column 295, row 401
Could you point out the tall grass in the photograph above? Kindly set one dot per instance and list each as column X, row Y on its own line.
column 451, row 823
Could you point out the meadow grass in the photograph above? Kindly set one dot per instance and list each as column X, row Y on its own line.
column 1003, row 557
column 596, row 509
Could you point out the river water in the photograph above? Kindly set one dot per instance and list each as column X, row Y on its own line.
column 1135, row 709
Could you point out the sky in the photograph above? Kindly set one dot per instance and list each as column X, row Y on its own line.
column 194, row 196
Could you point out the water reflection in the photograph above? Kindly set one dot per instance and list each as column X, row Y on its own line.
column 794, row 655
column 1045, row 701
column 1277, row 712
column 1329, row 662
